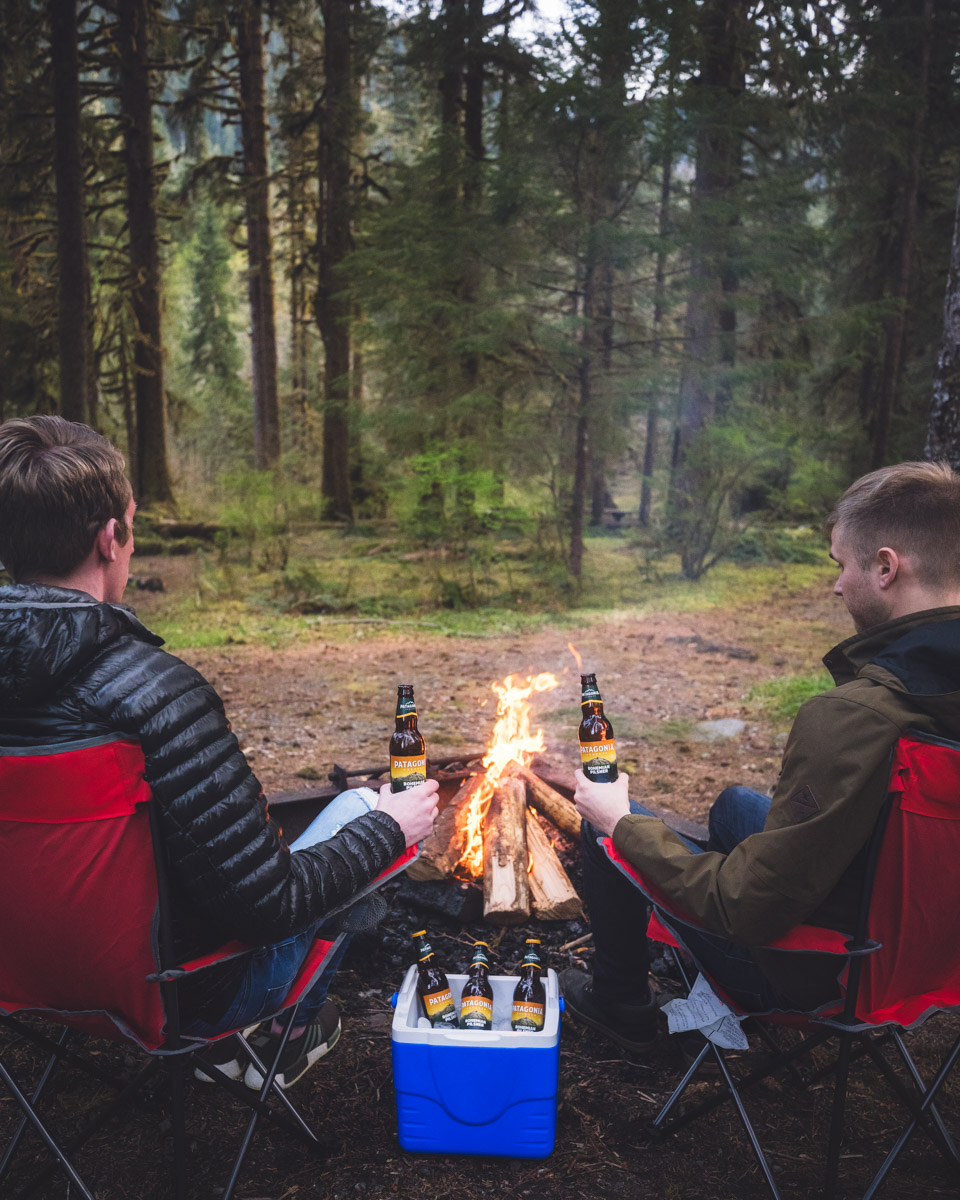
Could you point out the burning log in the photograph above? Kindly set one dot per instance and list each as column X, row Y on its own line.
column 555, row 807
column 506, row 887
column 554, row 896
column 441, row 851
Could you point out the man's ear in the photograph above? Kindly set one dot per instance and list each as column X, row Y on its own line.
column 107, row 541
column 888, row 564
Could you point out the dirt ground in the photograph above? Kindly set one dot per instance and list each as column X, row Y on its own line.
column 331, row 699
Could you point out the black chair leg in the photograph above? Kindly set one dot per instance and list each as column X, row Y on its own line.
column 176, row 1070
column 837, row 1115
column 905, row 1136
column 45, row 1136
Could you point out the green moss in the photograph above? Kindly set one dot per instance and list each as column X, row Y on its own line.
column 781, row 698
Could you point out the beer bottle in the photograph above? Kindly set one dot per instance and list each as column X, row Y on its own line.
column 408, row 754
column 433, row 986
column 476, row 1000
column 529, row 996
column 598, row 751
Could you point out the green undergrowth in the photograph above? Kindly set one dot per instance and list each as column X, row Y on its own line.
column 332, row 585
column 781, row 698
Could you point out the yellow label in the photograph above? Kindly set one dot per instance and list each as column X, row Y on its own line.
column 408, row 771
column 476, row 1012
column 527, row 1015
column 598, row 758
column 438, row 1005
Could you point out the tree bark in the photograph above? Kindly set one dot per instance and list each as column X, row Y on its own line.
column 550, row 802
column 73, row 325
column 659, row 307
column 333, row 244
column 943, row 430
column 896, row 324
column 263, row 336
column 133, row 65
column 709, row 333
column 552, row 896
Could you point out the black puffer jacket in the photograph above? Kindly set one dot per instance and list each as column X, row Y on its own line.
column 71, row 668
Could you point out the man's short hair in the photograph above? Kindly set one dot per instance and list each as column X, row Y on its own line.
column 914, row 508
column 60, row 483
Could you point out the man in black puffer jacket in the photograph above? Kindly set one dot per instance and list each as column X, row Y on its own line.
column 75, row 664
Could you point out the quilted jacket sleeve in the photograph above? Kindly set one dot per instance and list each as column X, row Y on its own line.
column 227, row 858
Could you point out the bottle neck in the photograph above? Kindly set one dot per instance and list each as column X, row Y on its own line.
column 592, row 708
column 406, row 722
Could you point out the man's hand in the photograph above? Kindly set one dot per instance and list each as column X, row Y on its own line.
column 414, row 810
column 602, row 804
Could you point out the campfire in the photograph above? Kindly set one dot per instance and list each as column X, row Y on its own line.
column 490, row 828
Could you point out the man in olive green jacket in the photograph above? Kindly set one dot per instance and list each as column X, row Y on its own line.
column 771, row 864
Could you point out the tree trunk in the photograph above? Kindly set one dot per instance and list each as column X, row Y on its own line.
column 263, row 337
column 897, row 322
column 710, row 324
column 943, row 431
column 133, row 65
column 333, row 244
column 73, row 325
column 659, row 306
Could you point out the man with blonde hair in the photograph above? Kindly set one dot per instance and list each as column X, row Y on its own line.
column 78, row 668
column 798, row 857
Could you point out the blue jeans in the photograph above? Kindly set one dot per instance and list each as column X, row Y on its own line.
column 272, row 969
column 618, row 910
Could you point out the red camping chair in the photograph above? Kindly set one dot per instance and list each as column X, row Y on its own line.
column 86, row 940
column 901, row 966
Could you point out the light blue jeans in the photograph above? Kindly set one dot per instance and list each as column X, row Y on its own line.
column 272, row 969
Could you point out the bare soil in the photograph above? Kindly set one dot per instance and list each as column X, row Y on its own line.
column 331, row 699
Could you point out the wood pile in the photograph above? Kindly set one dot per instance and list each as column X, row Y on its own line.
column 522, row 875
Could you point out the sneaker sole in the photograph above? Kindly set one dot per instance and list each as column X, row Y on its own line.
column 284, row 1079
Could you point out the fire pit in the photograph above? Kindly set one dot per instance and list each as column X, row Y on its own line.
column 490, row 830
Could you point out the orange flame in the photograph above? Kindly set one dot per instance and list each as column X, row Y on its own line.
column 576, row 654
column 511, row 741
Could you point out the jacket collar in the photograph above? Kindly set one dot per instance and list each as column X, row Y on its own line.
column 847, row 659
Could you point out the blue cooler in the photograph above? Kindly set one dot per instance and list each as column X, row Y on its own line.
column 465, row 1091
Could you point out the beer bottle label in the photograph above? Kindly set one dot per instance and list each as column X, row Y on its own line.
column 590, row 693
column 480, row 956
column 425, row 950
column 406, row 706
column 533, row 957
column 407, row 772
column 440, row 1008
column 527, row 1014
column 476, row 1012
column 599, row 761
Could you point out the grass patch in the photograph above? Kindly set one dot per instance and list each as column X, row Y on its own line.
column 781, row 698
column 330, row 586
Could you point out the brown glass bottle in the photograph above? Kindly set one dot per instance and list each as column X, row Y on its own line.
column 408, row 754
column 476, row 999
column 433, row 987
column 529, row 996
column 598, row 750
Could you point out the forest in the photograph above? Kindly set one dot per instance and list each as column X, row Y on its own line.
column 490, row 278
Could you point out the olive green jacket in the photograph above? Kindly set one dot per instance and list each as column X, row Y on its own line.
column 806, row 864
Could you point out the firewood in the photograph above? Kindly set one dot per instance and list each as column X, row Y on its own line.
column 553, row 895
column 555, row 807
column 441, row 851
column 506, row 888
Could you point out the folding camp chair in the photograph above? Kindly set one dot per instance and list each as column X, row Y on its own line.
column 901, row 966
column 86, row 942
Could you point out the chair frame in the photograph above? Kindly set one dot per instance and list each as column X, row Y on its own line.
column 856, row 1039
column 177, row 1056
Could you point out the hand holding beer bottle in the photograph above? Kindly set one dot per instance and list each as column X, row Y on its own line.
column 601, row 795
